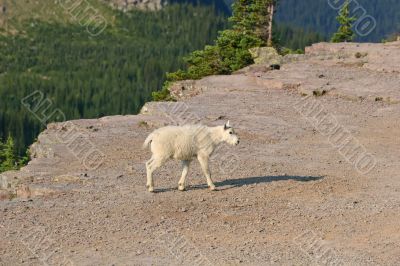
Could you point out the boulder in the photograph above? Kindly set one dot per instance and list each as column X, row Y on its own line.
column 265, row 56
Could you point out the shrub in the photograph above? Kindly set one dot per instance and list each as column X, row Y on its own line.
column 163, row 94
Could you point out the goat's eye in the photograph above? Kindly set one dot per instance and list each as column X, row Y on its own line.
column 231, row 132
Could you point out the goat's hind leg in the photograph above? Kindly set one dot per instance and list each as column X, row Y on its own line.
column 185, row 166
column 149, row 171
column 151, row 166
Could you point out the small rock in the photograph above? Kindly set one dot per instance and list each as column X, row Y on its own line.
column 4, row 195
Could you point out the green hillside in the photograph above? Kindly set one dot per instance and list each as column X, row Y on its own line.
column 88, row 76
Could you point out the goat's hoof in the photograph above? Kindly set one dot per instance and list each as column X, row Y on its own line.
column 181, row 188
column 150, row 188
column 212, row 188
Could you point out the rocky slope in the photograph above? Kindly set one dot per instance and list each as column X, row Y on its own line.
column 314, row 181
column 126, row 5
column 131, row 4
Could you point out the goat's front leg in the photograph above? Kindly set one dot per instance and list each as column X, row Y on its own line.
column 206, row 170
column 181, row 184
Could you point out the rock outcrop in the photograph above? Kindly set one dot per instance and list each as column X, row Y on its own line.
column 291, row 193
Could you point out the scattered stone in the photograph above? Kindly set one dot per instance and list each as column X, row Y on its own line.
column 318, row 93
column 275, row 67
column 5, row 195
column 66, row 179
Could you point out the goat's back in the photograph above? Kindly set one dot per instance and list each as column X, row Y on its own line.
column 179, row 142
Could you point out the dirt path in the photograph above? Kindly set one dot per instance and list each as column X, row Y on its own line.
column 286, row 195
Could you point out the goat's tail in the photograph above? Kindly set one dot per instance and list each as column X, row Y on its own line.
column 148, row 140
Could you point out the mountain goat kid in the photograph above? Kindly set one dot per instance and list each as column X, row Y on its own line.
column 184, row 143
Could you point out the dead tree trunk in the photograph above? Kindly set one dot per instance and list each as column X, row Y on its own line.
column 271, row 8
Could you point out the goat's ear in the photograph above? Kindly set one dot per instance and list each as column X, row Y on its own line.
column 227, row 125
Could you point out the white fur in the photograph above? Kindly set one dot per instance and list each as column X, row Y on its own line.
column 185, row 143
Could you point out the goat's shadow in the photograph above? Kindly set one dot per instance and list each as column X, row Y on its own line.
column 234, row 183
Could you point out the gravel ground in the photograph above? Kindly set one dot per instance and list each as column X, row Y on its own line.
column 287, row 195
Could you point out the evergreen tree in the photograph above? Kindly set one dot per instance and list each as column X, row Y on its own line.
column 8, row 154
column 345, row 32
column 254, row 17
column 230, row 52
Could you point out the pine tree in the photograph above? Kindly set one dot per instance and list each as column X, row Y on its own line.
column 345, row 32
column 251, row 28
column 254, row 17
column 8, row 154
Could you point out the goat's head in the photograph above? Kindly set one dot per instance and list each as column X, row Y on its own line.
column 229, row 136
